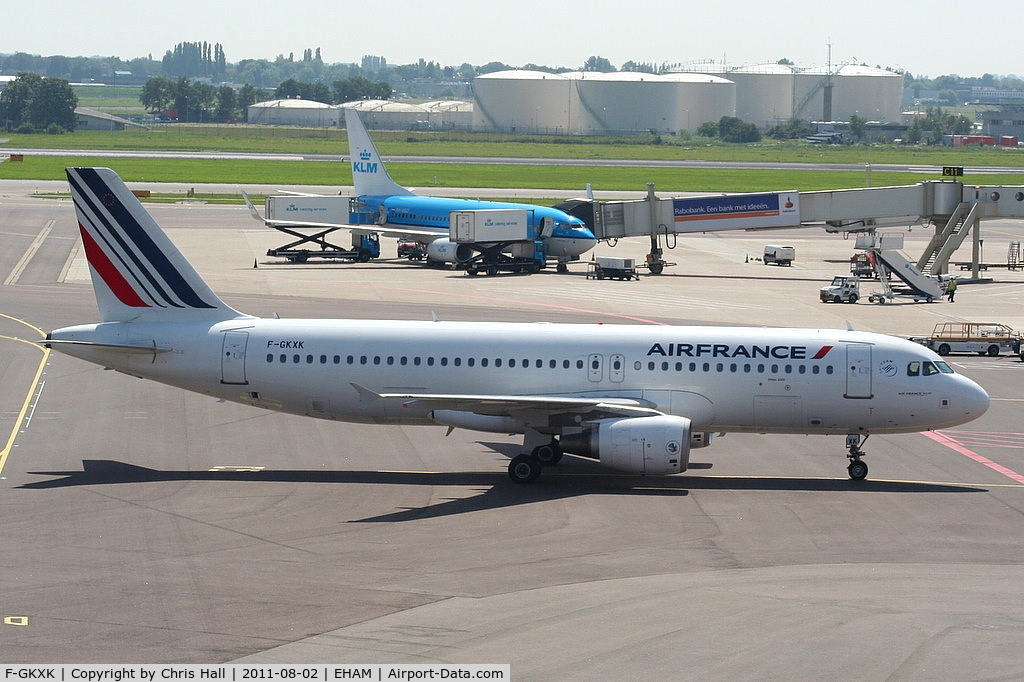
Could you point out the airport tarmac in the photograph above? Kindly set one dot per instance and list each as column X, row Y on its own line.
column 143, row 524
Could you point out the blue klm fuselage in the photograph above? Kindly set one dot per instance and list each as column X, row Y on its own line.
column 569, row 238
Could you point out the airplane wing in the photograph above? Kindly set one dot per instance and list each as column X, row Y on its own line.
column 529, row 408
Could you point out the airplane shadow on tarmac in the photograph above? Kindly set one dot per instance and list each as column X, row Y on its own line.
column 496, row 490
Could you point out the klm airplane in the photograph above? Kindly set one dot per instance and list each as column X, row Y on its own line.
column 387, row 208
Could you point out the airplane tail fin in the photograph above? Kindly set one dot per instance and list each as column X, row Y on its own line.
column 137, row 272
column 369, row 175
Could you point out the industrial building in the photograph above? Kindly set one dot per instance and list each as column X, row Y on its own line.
column 294, row 112
column 376, row 113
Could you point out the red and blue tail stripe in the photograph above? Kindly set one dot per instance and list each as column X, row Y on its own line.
column 129, row 253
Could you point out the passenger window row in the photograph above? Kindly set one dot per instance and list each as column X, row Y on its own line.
column 444, row 361
column 735, row 367
column 417, row 361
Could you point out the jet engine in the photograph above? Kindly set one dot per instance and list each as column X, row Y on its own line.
column 638, row 445
column 444, row 250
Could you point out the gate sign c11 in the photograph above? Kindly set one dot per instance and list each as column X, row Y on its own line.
column 952, row 171
column 707, row 214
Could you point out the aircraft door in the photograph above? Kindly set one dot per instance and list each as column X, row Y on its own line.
column 595, row 368
column 463, row 227
column 617, row 368
column 547, row 227
column 232, row 358
column 858, row 371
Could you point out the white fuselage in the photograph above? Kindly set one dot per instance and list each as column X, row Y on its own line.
column 721, row 378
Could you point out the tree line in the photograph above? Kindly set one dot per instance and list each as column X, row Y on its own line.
column 199, row 102
column 32, row 103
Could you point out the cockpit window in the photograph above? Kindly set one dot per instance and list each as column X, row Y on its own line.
column 928, row 368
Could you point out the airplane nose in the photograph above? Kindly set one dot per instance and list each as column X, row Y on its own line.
column 974, row 399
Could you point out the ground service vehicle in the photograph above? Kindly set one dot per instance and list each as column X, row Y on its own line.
column 843, row 289
column 779, row 255
column 604, row 267
column 365, row 247
column 983, row 338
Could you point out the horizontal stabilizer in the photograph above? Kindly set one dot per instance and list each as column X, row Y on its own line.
column 131, row 348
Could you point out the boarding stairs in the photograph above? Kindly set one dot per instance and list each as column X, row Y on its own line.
column 890, row 262
column 935, row 259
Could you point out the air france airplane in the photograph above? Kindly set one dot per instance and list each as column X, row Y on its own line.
column 636, row 398
column 396, row 211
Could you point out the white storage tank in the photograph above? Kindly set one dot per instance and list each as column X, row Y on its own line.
column 523, row 101
column 874, row 94
column 764, row 93
column 631, row 102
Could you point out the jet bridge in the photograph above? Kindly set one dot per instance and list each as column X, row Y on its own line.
column 954, row 209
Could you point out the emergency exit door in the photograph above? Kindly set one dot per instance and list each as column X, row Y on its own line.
column 232, row 358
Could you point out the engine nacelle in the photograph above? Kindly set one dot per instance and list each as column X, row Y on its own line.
column 477, row 422
column 638, row 445
column 444, row 250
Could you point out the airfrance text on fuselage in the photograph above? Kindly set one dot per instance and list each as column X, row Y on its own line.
column 724, row 350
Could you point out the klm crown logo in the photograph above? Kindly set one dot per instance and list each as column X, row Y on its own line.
column 363, row 165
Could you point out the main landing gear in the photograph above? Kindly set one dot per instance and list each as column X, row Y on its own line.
column 857, row 469
column 526, row 468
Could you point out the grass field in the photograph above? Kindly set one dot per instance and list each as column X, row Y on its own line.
column 424, row 175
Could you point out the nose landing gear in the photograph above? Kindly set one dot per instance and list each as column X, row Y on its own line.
column 857, row 469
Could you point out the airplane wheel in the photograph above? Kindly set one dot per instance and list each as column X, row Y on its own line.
column 524, row 469
column 548, row 455
column 858, row 470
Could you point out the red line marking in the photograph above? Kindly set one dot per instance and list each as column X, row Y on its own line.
column 943, row 439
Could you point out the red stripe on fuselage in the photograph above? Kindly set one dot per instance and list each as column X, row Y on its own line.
column 113, row 278
column 822, row 353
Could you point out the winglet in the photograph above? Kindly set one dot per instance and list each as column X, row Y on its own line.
column 252, row 208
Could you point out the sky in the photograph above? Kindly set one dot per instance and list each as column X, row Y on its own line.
column 913, row 35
